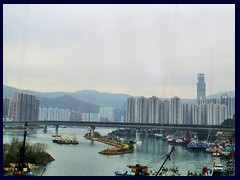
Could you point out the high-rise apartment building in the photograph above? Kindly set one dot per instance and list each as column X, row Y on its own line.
column 142, row 110
column 201, row 88
column 176, row 113
column 186, row 113
column 24, row 107
column 230, row 103
column 6, row 102
column 153, row 109
column 107, row 113
column 130, row 110
column 163, row 111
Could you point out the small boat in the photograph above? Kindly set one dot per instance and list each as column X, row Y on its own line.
column 138, row 142
column 56, row 135
column 132, row 142
column 179, row 141
column 218, row 170
column 140, row 170
column 61, row 140
column 134, row 170
column 158, row 135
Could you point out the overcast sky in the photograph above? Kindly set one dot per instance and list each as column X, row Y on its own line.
column 141, row 50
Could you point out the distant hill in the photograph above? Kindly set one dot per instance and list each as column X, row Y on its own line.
column 102, row 98
column 88, row 96
column 218, row 95
column 69, row 102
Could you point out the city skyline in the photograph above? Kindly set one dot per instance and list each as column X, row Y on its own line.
column 140, row 50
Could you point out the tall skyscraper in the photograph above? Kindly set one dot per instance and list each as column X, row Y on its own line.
column 201, row 88
column 24, row 107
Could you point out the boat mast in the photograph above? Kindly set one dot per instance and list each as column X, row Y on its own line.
column 21, row 156
column 168, row 157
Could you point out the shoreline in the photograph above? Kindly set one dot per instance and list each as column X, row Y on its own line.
column 120, row 148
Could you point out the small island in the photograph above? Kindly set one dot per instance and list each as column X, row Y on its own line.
column 120, row 147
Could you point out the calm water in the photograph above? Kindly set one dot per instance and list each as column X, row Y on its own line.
column 83, row 159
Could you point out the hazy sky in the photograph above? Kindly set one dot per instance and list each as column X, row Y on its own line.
column 141, row 50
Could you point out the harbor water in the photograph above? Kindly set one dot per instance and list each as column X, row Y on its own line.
column 83, row 159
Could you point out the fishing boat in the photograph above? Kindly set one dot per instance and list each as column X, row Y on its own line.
column 218, row 170
column 158, row 135
column 134, row 170
column 141, row 170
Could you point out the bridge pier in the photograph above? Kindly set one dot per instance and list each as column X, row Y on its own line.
column 45, row 129
column 56, row 130
column 92, row 131
column 145, row 131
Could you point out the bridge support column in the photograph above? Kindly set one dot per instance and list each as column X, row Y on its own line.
column 45, row 129
column 92, row 131
column 145, row 132
column 56, row 130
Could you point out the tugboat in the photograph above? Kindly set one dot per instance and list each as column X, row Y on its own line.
column 61, row 140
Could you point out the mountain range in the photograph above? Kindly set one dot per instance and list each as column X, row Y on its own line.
column 86, row 100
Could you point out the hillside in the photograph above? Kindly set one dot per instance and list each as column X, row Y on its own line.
column 87, row 98
column 218, row 95
column 70, row 103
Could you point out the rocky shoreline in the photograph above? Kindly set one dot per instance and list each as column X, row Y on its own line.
column 120, row 148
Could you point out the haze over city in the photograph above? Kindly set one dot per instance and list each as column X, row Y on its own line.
column 141, row 50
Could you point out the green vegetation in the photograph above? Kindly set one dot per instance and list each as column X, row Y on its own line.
column 35, row 154
column 95, row 135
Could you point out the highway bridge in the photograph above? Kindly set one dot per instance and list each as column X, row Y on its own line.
column 126, row 125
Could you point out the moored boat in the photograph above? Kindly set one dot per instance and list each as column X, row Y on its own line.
column 134, row 170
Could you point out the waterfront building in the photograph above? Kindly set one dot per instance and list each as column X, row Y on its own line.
column 201, row 88
column 43, row 114
column 175, row 111
column 90, row 117
column 94, row 117
column 165, row 111
column 186, row 113
column 153, row 109
column 130, row 110
column 6, row 105
column 142, row 109
column 118, row 114
column 24, row 107
column 107, row 113
column 230, row 103
column 85, row 117
column 194, row 112
column 50, row 114
column 161, row 109
column 217, row 113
